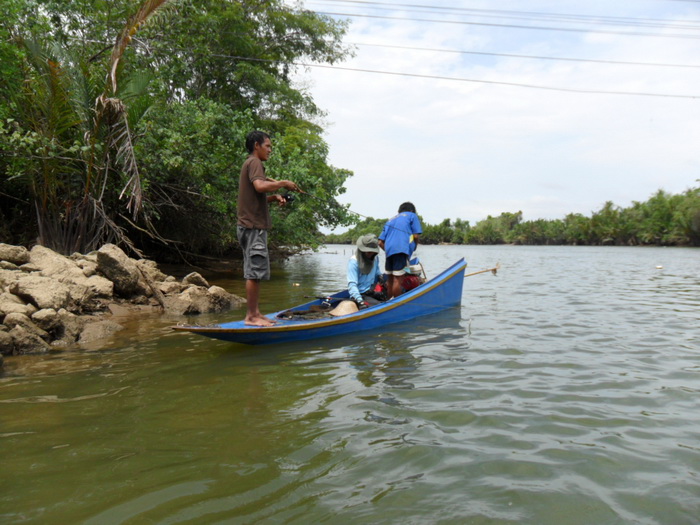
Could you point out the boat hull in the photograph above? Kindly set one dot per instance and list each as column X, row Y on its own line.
column 442, row 292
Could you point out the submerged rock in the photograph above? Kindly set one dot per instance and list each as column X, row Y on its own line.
column 98, row 330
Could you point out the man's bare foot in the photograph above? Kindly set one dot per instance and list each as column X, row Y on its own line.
column 259, row 321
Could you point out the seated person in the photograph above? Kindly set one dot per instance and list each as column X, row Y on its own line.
column 364, row 273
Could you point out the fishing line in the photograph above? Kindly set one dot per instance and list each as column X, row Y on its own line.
column 333, row 202
column 493, row 270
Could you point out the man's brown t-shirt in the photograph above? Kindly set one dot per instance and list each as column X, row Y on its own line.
column 252, row 205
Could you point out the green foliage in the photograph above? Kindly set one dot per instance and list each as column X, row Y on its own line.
column 71, row 144
column 190, row 154
column 366, row 226
column 242, row 54
column 494, row 230
column 663, row 220
column 200, row 75
column 299, row 154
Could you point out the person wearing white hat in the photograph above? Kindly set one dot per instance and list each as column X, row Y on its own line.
column 364, row 272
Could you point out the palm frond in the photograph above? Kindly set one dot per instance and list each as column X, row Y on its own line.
column 132, row 26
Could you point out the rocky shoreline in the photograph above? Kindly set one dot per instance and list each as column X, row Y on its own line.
column 50, row 302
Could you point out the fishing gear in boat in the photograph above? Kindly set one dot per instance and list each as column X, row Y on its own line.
column 326, row 300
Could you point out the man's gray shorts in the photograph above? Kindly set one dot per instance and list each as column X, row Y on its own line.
column 256, row 260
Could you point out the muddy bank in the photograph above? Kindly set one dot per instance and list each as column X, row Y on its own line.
column 49, row 302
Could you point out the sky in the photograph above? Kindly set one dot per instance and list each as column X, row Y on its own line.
column 496, row 141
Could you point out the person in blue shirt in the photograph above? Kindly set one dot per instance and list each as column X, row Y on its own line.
column 399, row 239
column 363, row 271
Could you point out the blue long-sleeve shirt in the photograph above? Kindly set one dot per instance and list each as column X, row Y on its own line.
column 359, row 283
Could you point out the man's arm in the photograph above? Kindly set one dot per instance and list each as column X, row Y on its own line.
column 269, row 185
column 353, row 280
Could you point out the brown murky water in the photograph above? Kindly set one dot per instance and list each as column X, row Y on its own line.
column 564, row 390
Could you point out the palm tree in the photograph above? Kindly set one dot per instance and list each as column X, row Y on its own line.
column 79, row 144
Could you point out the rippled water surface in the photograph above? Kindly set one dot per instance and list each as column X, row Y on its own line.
column 565, row 390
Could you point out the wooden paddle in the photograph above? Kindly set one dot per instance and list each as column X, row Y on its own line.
column 492, row 270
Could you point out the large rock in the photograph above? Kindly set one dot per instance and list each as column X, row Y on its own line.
column 224, row 300
column 89, row 268
column 10, row 303
column 151, row 271
column 7, row 344
column 195, row 279
column 170, row 287
column 42, row 292
column 82, row 289
column 70, row 326
column 26, row 342
column 7, row 277
column 194, row 300
column 100, row 286
column 116, row 266
column 54, row 264
column 48, row 320
column 14, row 254
column 200, row 300
column 12, row 320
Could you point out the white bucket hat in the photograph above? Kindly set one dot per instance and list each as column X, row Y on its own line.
column 344, row 308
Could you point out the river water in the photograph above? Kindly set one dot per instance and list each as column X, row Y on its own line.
column 565, row 390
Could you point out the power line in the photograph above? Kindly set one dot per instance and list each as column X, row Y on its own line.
column 500, row 13
column 507, row 55
column 477, row 81
column 510, row 55
column 514, row 84
column 512, row 26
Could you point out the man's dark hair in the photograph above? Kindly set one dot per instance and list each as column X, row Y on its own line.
column 407, row 206
column 253, row 138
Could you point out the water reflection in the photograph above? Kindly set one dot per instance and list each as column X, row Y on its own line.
column 567, row 382
column 388, row 355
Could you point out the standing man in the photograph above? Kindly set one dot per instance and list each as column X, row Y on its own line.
column 399, row 239
column 254, row 220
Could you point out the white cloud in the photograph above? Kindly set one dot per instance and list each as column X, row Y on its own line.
column 468, row 149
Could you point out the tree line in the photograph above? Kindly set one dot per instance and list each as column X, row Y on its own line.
column 125, row 121
column 663, row 220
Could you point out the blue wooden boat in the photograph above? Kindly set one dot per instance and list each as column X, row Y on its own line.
column 441, row 292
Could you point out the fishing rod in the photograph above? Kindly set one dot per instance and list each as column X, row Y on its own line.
column 492, row 270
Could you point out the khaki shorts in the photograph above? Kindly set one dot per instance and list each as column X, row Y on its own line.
column 256, row 260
